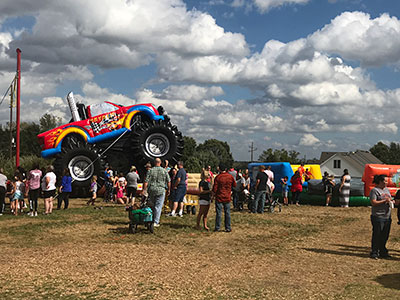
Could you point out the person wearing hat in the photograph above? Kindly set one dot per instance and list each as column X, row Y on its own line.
column 329, row 184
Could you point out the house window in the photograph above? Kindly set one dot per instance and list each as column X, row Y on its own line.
column 336, row 163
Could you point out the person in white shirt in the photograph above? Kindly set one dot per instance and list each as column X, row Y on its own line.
column 270, row 183
column 3, row 188
column 49, row 189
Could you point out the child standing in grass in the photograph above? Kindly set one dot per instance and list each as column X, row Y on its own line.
column 120, row 187
column 18, row 197
column 93, row 190
column 285, row 190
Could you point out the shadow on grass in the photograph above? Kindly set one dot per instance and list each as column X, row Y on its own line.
column 391, row 281
column 125, row 230
column 339, row 252
column 116, row 222
column 120, row 230
column 360, row 248
column 177, row 225
column 362, row 252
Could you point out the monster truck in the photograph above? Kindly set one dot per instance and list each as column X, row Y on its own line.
column 110, row 134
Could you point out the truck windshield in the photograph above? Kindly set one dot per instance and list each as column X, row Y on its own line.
column 101, row 108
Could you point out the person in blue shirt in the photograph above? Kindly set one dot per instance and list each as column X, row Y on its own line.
column 179, row 186
column 65, row 189
column 285, row 189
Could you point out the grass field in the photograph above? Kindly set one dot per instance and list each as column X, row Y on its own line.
column 303, row 252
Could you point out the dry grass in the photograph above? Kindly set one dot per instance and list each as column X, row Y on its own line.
column 303, row 252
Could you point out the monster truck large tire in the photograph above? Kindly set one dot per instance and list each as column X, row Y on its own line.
column 153, row 140
column 82, row 163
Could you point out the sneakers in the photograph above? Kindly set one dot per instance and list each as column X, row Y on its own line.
column 35, row 213
column 373, row 256
column 30, row 213
column 180, row 215
column 1, row 214
column 156, row 225
column 172, row 214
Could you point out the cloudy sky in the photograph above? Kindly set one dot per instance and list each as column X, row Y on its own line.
column 307, row 75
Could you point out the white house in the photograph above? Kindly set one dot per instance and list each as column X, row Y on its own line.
column 335, row 162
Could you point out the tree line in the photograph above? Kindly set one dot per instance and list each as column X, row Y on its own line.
column 388, row 154
column 28, row 135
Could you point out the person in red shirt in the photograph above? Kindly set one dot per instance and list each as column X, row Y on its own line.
column 297, row 187
column 222, row 190
column 308, row 175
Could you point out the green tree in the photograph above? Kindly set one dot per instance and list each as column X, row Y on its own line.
column 5, row 140
column 189, row 148
column 29, row 141
column 275, row 155
column 193, row 165
column 207, row 158
column 387, row 154
column 220, row 149
column 49, row 121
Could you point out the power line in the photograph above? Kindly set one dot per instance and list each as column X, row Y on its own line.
column 6, row 93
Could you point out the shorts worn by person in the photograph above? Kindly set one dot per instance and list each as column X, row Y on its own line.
column 49, row 189
column 222, row 189
column 179, row 186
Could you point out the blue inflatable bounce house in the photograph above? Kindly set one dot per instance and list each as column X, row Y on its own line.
column 280, row 170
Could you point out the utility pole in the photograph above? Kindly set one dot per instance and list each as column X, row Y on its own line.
column 252, row 150
column 11, row 117
column 18, row 105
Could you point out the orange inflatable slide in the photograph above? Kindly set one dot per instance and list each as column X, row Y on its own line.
column 391, row 171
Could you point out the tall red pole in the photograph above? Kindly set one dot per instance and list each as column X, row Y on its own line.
column 18, row 104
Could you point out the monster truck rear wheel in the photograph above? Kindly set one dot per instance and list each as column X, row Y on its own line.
column 156, row 140
column 82, row 164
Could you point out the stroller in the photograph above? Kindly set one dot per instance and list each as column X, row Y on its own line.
column 243, row 198
column 272, row 203
column 141, row 216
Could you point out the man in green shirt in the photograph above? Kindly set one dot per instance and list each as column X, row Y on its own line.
column 156, row 184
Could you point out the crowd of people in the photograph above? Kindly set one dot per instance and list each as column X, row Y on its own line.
column 31, row 185
column 165, row 184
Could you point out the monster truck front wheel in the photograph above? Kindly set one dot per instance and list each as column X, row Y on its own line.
column 156, row 140
column 81, row 163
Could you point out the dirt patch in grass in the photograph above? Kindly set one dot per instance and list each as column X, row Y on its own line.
column 305, row 252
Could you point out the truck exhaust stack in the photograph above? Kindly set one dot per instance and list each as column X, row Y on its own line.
column 72, row 107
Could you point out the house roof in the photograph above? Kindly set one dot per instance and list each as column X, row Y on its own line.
column 326, row 155
column 358, row 158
